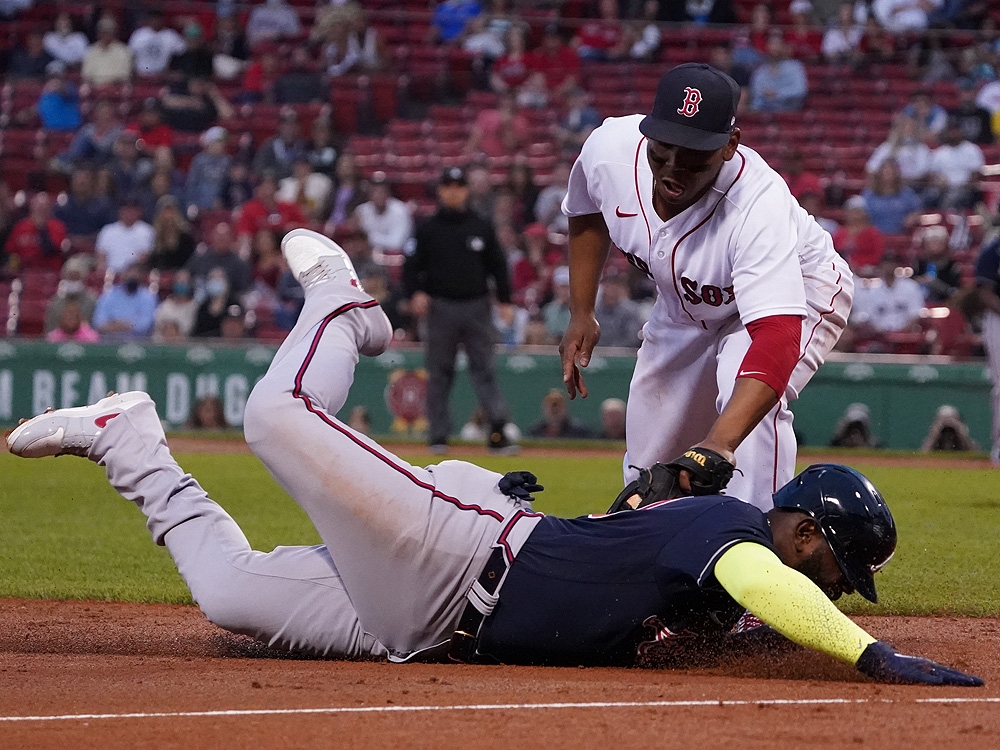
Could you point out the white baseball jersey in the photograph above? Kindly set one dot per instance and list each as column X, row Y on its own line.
column 746, row 250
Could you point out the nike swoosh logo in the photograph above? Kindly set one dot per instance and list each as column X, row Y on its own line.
column 622, row 214
column 102, row 421
column 751, row 372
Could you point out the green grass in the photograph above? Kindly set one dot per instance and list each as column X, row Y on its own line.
column 64, row 533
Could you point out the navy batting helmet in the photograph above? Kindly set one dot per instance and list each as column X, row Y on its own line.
column 851, row 514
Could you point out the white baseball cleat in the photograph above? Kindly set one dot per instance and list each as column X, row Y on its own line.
column 70, row 431
column 313, row 257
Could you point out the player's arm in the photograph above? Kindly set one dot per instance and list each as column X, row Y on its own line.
column 793, row 605
column 589, row 245
column 760, row 380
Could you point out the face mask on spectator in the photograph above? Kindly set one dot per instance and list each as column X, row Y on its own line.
column 73, row 287
column 182, row 289
column 216, row 288
column 131, row 286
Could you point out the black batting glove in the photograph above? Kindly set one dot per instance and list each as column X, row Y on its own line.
column 519, row 484
column 882, row 662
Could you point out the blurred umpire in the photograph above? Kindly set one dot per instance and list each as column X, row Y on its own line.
column 449, row 265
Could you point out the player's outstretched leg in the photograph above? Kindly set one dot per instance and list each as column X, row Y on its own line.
column 407, row 541
column 291, row 598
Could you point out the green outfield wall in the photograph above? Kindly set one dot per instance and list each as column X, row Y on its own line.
column 902, row 393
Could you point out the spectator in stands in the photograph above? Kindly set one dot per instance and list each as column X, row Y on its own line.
column 28, row 60
column 196, row 60
column 556, row 421
column 698, row 12
column 931, row 118
column 237, row 187
column 126, row 242
column 887, row 303
column 511, row 69
column 173, row 242
column 230, row 51
column 799, row 180
column 195, row 104
column 130, row 169
column 643, row 34
column 72, row 326
column 812, row 202
column 936, row 271
column 265, row 211
column 901, row 16
column 159, row 186
column 350, row 43
column 804, row 39
column 842, row 40
column 556, row 312
column 219, row 297
column 602, row 39
column 84, row 213
column 892, row 206
column 59, row 104
column 279, row 153
column 482, row 194
column 271, row 21
column 208, row 414
column 612, row 419
column 301, row 83
column 548, row 206
column 309, row 190
column 258, row 79
column 905, row 147
column 954, row 171
column 107, row 60
column 501, row 131
column 988, row 96
column 268, row 263
column 72, row 289
column 578, row 123
column 761, row 29
column 153, row 45
column 451, row 16
column 208, row 171
column 153, row 132
column 722, row 58
column 386, row 221
column 126, row 309
column 556, row 60
column 861, row 244
column 971, row 118
column 484, row 47
column 348, row 195
column 290, row 299
column 174, row 317
column 779, row 84
column 94, row 142
column 219, row 251
column 237, row 323
column 323, row 148
column 620, row 318
column 37, row 241
column 520, row 184
column 64, row 44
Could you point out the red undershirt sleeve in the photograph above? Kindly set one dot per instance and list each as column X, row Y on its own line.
column 774, row 350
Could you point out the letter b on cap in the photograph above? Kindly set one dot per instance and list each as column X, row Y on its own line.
column 692, row 98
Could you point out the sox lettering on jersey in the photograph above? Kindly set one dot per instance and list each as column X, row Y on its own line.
column 710, row 294
column 692, row 98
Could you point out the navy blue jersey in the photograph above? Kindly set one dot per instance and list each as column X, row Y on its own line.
column 988, row 265
column 605, row 589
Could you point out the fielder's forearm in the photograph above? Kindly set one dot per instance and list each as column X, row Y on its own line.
column 589, row 245
column 789, row 602
column 751, row 401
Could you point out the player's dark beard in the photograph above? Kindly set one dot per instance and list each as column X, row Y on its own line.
column 812, row 568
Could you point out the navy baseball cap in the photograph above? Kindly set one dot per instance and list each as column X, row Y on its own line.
column 453, row 176
column 695, row 107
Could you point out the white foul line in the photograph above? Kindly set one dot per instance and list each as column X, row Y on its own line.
column 491, row 707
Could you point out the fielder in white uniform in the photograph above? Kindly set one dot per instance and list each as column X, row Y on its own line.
column 751, row 294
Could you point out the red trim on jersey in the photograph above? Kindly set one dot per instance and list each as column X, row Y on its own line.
column 347, row 433
column 673, row 253
column 638, row 195
column 825, row 312
column 502, row 539
column 773, row 352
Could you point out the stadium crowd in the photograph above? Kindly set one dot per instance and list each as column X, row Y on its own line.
column 169, row 146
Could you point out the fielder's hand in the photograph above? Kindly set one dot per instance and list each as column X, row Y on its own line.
column 576, row 346
column 708, row 472
column 882, row 662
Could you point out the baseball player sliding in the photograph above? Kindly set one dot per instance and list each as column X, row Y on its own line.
column 752, row 295
column 450, row 561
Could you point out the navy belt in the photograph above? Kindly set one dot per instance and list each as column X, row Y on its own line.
column 466, row 635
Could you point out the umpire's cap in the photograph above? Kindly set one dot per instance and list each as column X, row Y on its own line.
column 852, row 515
column 695, row 107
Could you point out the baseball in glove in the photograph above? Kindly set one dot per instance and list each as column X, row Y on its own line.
column 708, row 473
